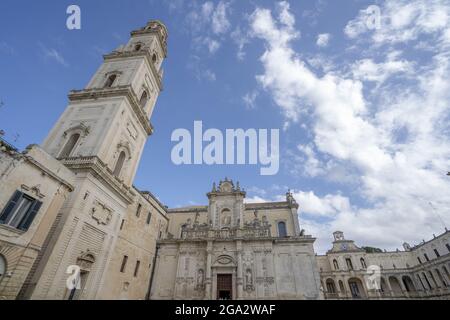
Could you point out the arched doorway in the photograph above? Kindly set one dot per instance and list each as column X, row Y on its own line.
column 384, row 289
column 224, row 278
column 331, row 288
column 409, row 284
column 395, row 286
column 85, row 262
column 356, row 288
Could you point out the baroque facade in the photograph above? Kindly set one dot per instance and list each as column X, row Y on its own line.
column 73, row 226
column 233, row 250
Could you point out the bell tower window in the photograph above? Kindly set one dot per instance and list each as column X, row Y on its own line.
column 144, row 99
column 110, row 81
column 70, row 146
column 119, row 164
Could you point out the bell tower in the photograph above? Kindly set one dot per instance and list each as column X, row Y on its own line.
column 100, row 137
column 106, row 124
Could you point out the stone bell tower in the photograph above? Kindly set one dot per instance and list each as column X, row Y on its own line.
column 107, row 123
column 100, row 137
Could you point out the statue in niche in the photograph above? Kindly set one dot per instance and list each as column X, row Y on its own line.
column 200, row 278
column 226, row 221
column 226, row 218
column 248, row 280
column 264, row 221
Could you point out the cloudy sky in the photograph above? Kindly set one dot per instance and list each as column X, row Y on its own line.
column 362, row 108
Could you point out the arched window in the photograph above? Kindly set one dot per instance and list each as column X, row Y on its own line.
column 110, row 81
column 144, row 99
column 138, row 47
column 119, row 164
column 331, row 288
column 349, row 263
column 335, row 264
column 2, row 265
column 70, row 145
column 363, row 263
column 282, row 233
column 154, row 58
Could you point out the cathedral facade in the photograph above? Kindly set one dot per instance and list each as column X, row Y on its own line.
column 233, row 250
column 73, row 226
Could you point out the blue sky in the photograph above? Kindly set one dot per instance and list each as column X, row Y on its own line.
column 362, row 112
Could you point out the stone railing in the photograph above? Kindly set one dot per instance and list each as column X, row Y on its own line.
column 234, row 233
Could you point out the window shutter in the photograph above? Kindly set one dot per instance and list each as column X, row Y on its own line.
column 29, row 217
column 10, row 206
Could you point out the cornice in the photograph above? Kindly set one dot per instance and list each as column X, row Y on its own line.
column 94, row 165
column 268, row 205
column 48, row 172
column 162, row 43
column 119, row 91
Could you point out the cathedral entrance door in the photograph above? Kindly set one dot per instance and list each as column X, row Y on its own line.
column 224, row 287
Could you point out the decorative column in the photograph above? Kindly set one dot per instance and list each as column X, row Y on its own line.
column 208, row 279
column 347, row 289
column 239, row 279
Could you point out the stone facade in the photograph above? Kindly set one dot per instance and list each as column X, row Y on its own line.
column 38, row 177
column 422, row 271
column 233, row 250
column 69, row 210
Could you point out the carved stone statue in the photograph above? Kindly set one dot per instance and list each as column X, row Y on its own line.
column 200, row 278
column 248, row 280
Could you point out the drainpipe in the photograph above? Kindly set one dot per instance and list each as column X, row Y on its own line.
column 147, row 296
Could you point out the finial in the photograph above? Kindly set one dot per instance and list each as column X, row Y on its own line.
column 238, row 188
column 214, row 187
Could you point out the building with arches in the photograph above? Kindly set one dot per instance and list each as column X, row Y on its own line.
column 418, row 272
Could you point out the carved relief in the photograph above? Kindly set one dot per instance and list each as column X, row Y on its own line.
column 35, row 189
column 85, row 261
column 224, row 260
column 101, row 213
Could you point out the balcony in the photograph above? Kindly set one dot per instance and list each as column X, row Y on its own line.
column 205, row 233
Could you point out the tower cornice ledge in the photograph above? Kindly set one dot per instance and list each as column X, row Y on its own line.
column 119, row 91
column 94, row 165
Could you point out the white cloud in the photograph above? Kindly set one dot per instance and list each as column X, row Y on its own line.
column 53, row 54
column 329, row 206
column 323, row 39
column 241, row 39
column 395, row 138
column 402, row 21
column 220, row 22
column 200, row 71
column 368, row 70
column 249, row 99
